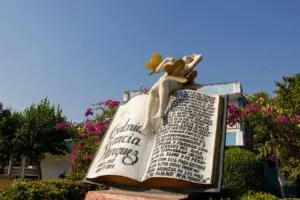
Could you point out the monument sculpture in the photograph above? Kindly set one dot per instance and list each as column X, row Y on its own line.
column 177, row 73
column 186, row 152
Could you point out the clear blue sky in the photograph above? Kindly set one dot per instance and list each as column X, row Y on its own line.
column 79, row 52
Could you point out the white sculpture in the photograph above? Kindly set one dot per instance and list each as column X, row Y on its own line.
column 177, row 74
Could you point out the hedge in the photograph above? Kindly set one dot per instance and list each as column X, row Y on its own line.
column 259, row 196
column 243, row 172
column 59, row 189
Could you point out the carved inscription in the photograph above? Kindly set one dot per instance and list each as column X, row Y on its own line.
column 181, row 147
column 115, row 149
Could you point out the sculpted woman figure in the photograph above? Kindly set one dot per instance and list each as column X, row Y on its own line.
column 177, row 74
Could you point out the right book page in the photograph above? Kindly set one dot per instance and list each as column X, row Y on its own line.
column 186, row 145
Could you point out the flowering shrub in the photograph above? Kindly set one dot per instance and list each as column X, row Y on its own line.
column 111, row 103
column 88, row 135
column 145, row 90
column 259, row 196
column 59, row 189
column 63, row 125
column 260, row 107
column 276, row 132
column 89, row 112
column 242, row 173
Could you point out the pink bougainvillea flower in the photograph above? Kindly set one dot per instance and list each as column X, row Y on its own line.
column 256, row 107
column 100, row 127
column 88, row 112
column 81, row 136
column 231, row 108
column 252, row 108
column 278, row 119
column 115, row 104
column 58, row 125
column 283, row 120
column 296, row 119
column 80, row 146
column 249, row 108
column 146, row 90
column 72, row 166
column 74, row 153
column 90, row 133
column 111, row 103
column 90, row 129
column 107, row 102
column 268, row 110
column 234, row 114
column 271, row 158
column 286, row 120
column 62, row 126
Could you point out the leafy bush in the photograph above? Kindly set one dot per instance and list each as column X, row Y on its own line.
column 59, row 189
column 88, row 135
column 242, row 172
column 259, row 196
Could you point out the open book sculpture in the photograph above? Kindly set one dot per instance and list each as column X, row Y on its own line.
column 185, row 153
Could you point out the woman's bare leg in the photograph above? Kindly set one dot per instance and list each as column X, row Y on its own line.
column 153, row 93
column 166, row 86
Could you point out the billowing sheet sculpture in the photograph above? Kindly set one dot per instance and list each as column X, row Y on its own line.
column 177, row 74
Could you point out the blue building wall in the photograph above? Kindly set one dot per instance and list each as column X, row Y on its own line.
column 236, row 136
column 227, row 88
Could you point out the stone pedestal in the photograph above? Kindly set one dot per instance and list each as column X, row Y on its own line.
column 128, row 195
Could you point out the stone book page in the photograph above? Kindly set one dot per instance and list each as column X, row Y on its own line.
column 124, row 151
column 184, row 145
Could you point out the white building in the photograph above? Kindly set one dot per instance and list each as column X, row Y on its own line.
column 238, row 135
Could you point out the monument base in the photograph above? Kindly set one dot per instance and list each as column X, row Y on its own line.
column 129, row 195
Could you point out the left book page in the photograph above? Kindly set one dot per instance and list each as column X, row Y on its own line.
column 124, row 152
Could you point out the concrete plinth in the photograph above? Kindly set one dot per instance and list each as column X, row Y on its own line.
column 126, row 195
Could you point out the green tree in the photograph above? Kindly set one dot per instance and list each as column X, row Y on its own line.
column 10, row 122
column 262, row 94
column 38, row 134
column 288, row 102
column 5, row 136
column 288, row 94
